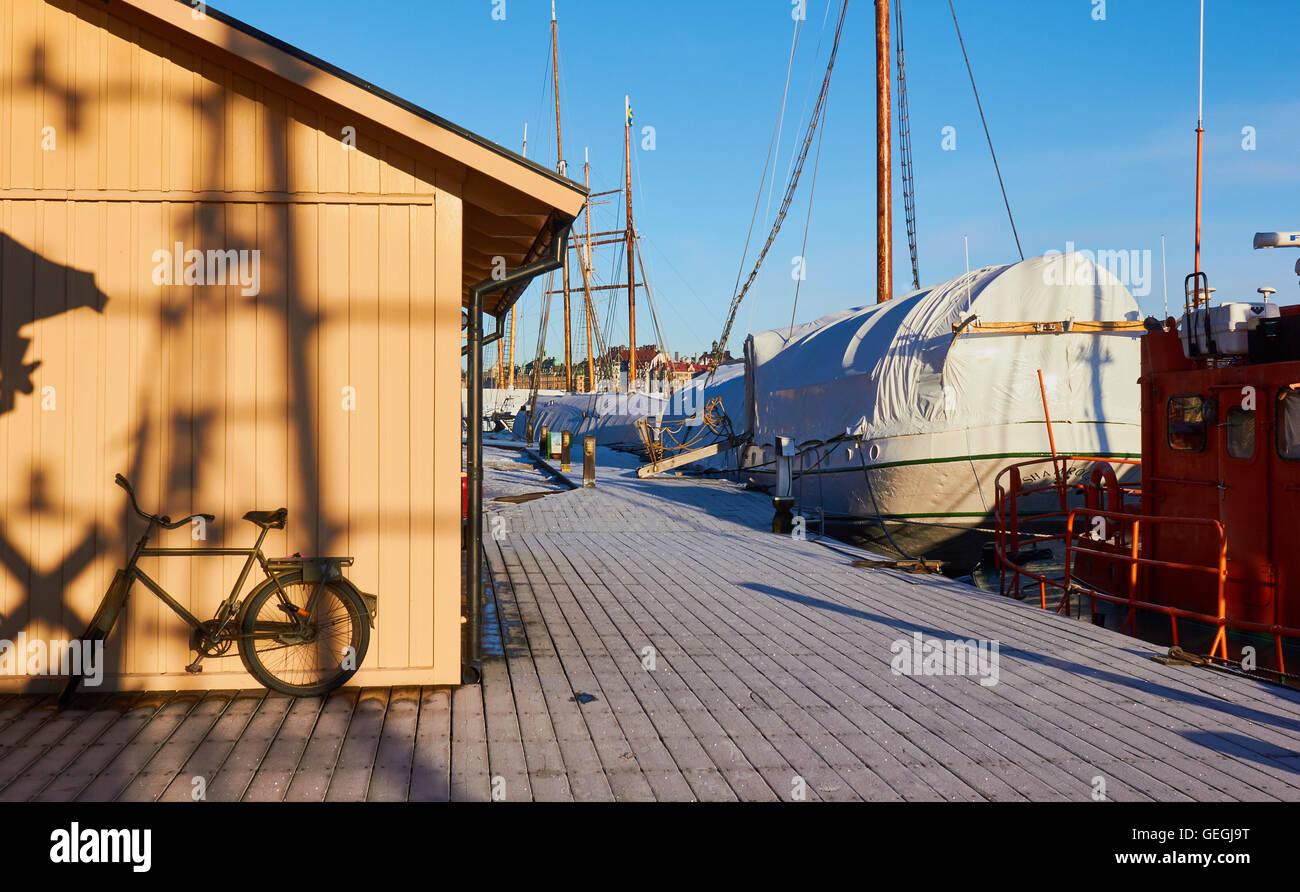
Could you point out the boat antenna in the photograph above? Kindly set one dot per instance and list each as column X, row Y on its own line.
column 1200, row 137
column 1164, row 273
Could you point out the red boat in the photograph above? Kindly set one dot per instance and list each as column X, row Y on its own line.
column 1203, row 556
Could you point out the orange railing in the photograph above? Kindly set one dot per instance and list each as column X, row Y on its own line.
column 1010, row 491
column 1123, row 545
column 1135, row 525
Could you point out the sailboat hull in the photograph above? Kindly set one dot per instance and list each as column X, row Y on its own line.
column 933, row 494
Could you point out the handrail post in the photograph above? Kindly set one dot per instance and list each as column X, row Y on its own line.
column 1221, row 640
column 1014, row 544
column 1131, row 621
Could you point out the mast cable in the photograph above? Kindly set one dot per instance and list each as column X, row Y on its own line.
column 905, row 153
column 813, row 123
column 986, row 130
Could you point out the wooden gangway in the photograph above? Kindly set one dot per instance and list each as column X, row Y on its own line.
column 771, row 678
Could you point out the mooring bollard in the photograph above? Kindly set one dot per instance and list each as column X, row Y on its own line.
column 588, row 461
column 783, row 516
column 783, row 499
column 566, row 441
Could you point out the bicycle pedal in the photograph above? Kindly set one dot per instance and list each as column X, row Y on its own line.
column 196, row 667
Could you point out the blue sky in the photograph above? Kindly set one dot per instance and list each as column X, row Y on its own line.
column 1093, row 121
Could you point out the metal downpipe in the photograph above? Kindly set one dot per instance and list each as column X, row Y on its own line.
column 471, row 671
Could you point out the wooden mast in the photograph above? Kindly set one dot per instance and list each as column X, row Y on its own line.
column 631, row 244
column 584, row 263
column 515, row 305
column 884, row 161
column 560, row 167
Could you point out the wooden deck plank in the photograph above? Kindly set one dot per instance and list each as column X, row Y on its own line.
column 114, row 777
column 431, row 759
column 203, row 765
column 390, row 781
column 311, row 776
column 232, row 780
column 350, row 779
column 470, row 779
column 166, row 764
column 85, row 721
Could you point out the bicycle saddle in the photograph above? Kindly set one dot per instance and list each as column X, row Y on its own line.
column 271, row 520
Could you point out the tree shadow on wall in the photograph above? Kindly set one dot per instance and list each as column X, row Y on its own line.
column 33, row 293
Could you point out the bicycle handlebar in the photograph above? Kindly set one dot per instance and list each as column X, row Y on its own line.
column 162, row 520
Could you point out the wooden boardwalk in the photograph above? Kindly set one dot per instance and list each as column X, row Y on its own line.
column 650, row 640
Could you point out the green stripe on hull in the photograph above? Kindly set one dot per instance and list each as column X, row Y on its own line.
column 941, row 461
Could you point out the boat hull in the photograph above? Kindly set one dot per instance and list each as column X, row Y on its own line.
column 934, row 493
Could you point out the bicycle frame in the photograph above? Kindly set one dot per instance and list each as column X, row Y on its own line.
column 225, row 612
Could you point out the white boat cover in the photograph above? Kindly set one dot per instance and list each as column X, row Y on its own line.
column 896, row 369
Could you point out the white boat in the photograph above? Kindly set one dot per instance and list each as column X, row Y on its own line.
column 902, row 414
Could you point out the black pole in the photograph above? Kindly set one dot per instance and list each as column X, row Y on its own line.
column 471, row 672
column 474, row 458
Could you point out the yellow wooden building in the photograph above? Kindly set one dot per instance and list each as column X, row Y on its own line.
column 235, row 274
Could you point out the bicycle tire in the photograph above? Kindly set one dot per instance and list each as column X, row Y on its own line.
column 262, row 610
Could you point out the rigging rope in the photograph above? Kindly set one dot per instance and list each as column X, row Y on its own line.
column 654, row 316
column 905, row 152
column 803, row 248
column 986, row 130
column 789, row 192
column 771, row 147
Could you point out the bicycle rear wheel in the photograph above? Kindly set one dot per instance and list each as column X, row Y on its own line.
column 303, row 659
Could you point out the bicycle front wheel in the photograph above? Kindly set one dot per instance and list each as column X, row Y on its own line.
column 303, row 657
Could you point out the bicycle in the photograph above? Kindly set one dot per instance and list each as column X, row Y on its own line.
column 305, row 610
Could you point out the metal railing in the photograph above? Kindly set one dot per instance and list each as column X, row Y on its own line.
column 1121, row 544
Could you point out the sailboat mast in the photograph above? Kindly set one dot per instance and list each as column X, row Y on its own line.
column 631, row 244
column 514, row 306
column 560, row 166
column 884, row 161
column 585, row 263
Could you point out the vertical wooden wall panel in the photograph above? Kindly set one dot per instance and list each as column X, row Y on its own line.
column 302, row 410
column 362, row 479
column 20, row 305
column 447, row 439
column 424, row 344
column 49, row 458
column 334, row 432
column 79, row 401
column 394, row 491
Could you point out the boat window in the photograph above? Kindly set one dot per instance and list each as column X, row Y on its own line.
column 1288, row 425
column 1187, row 424
column 1241, row 432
